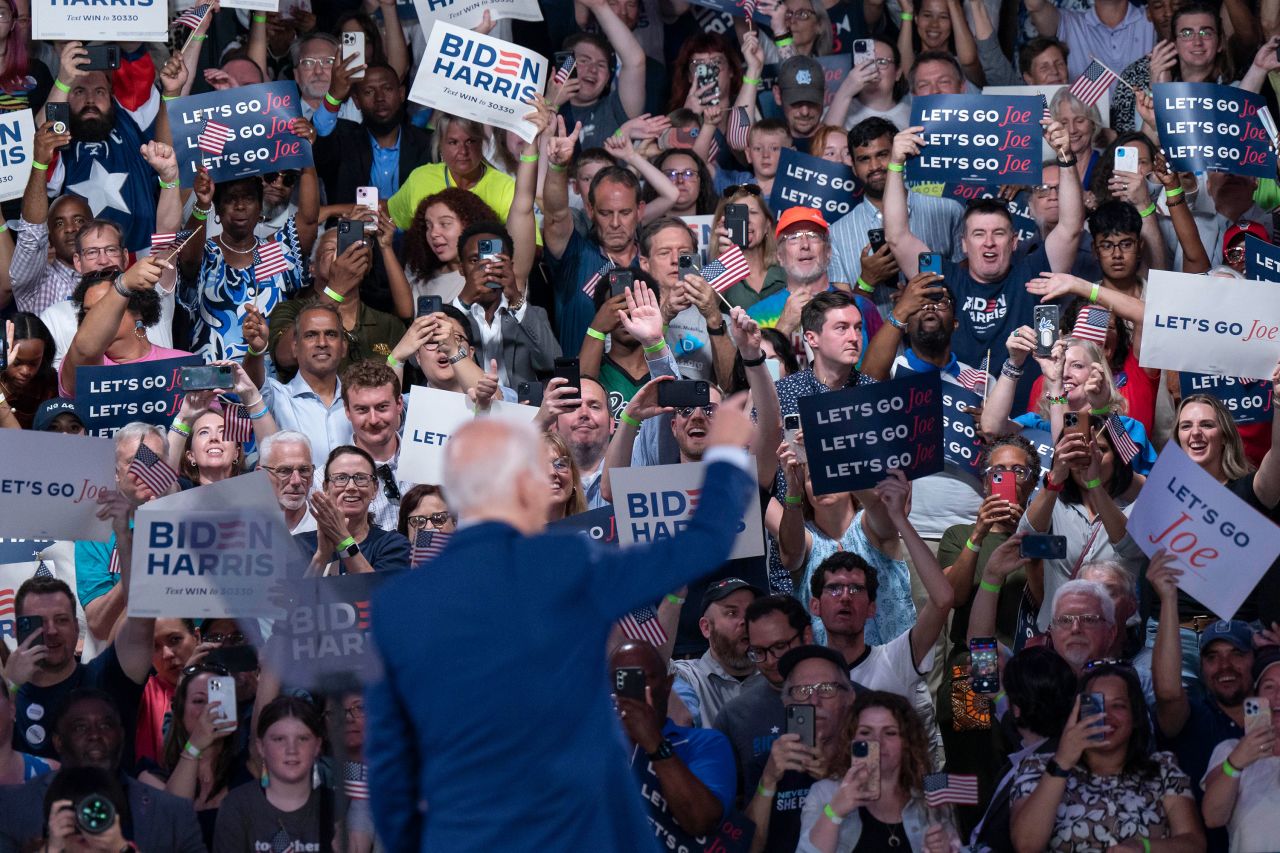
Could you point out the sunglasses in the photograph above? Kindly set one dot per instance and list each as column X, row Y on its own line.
column 289, row 178
column 749, row 189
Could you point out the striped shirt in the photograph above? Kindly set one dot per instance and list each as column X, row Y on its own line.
column 38, row 283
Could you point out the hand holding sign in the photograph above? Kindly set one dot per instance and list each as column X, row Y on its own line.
column 1163, row 575
column 303, row 129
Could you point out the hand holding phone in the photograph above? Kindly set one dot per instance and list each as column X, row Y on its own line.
column 931, row 262
column 790, row 432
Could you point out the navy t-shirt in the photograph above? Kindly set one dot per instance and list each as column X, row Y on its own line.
column 386, row 550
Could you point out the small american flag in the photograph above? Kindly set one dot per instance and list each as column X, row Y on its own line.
column 975, row 379
column 563, row 72
column 152, row 471
column 236, row 425
column 355, row 778
column 748, row 7
column 1093, row 83
column 727, row 270
column 589, row 287
column 427, row 545
column 739, row 127
column 1044, row 102
column 161, row 242
column 193, row 17
column 281, row 842
column 269, row 260
column 959, row 789
column 113, row 565
column 1121, row 441
column 642, row 624
column 42, row 570
column 1092, row 325
column 214, row 137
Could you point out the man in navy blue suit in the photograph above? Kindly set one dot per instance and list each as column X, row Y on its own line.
column 492, row 728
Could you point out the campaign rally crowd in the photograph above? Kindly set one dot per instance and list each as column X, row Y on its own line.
column 995, row 652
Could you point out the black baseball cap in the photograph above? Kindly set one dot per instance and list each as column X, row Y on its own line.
column 49, row 411
column 794, row 657
column 725, row 588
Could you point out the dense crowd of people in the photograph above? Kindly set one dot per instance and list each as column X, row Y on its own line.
column 896, row 671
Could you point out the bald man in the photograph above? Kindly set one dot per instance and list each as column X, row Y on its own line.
column 482, row 713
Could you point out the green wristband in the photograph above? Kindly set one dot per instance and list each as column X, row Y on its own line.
column 968, row 543
column 179, row 426
column 555, row 168
column 259, row 19
column 334, row 295
column 167, row 98
column 1146, row 845
column 596, row 333
column 332, row 100
column 674, row 599
column 906, row 16
column 3, row 227
column 166, row 185
column 1104, row 411
column 750, row 81
column 528, row 158
column 192, row 750
column 43, row 167
column 989, row 587
column 766, row 792
column 13, row 689
column 1229, row 770
column 1093, row 484
column 784, row 42
column 831, row 815
column 1150, row 210
column 792, row 500
column 864, row 287
column 897, row 167
column 1173, row 193
column 1093, row 294
column 658, row 347
column 199, row 215
column 628, row 420
column 393, row 362
column 346, row 543
column 61, row 87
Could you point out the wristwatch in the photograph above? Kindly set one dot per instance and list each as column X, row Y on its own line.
column 664, row 751
column 1053, row 768
column 351, row 550
column 718, row 330
column 462, row 353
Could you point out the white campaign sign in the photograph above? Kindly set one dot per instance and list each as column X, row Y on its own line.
column 82, row 20
column 213, row 551
column 700, row 227
column 253, row 5
column 1223, row 545
column 17, row 140
column 1211, row 325
column 433, row 416
column 50, row 484
column 469, row 13
column 656, row 501
column 479, row 77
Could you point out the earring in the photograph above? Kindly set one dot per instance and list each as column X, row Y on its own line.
column 315, row 776
column 139, row 330
column 265, row 781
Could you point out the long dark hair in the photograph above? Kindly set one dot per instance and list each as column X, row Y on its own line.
column 178, row 735
column 1137, row 754
column 704, row 42
column 707, row 198
column 1119, row 483
column 30, row 327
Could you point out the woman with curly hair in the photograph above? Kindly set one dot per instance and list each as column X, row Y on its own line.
column 431, row 259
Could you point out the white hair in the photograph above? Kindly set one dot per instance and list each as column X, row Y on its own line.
column 1224, row 271
column 1084, row 587
column 284, row 436
column 1115, row 570
column 469, row 487
column 139, row 430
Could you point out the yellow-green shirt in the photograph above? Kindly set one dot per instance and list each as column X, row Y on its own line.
column 494, row 189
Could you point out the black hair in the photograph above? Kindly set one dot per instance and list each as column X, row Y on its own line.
column 1124, row 338
column 978, row 206
column 1037, row 46
column 843, row 561
column 144, row 303
column 1012, row 440
column 814, row 314
column 222, row 190
column 284, row 707
column 30, row 327
column 80, row 695
column 1121, row 476
column 488, row 229
column 1041, row 685
column 1137, row 754
column 618, row 175
column 349, row 450
column 787, row 605
column 1115, row 217
column 1100, row 183
column 454, row 313
column 603, row 295
column 708, row 198
column 869, row 130
column 781, row 348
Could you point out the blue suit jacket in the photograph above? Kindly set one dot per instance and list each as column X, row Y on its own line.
column 493, row 728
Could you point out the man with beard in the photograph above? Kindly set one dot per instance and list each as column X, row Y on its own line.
column 380, row 151
column 724, row 670
column 800, row 91
column 90, row 733
column 286, row 456
column 103, row 163
column 936, row 220
column 371, row 395
column 314, row 60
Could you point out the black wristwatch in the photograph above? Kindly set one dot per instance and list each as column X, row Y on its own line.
column 664, row 751
column 1066, row 163
column 754, row 362
column 717, row 331
column 351, row 550
column 1053, row 768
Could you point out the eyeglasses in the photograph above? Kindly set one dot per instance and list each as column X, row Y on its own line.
column 681, row 174
column 708, row 411
column 1206, row 33
column 750, row 189
column 92, row 254
column 5, row 15
column 881, row 61
column 341, row 480
column 1235, row 255
column 437, row 520
column 800, row 15
column 355, row 713
column 1093, row 664
column 1068, row 622
column 289, row 178
column 1044, row 190
column 560, row 464
column 286, row 472
column 199, row 668
column 825, row 690
column 760, row 654
column 236, row 639
column 804, row 237
column 1109, row 246
column 316, row 62
column 458, row 340
column 1022, row 472
column 835, row 590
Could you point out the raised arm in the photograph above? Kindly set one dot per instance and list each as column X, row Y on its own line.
column 192, row 254
column 1044, row 16
column 520, row 220
column 997, row 411
column 557, row 219
column 1172, row 708
column 1194, row 258
column 906, row 247
column 966, row 47
column 393, row 40
column 850, row 87
column 102, row 321
column 1051, row 286
column 643, row 405
column 258, row 41
column 1004, row 561
column 630, row 55
column 135, row 637
column 1266, row 481
column 307, row 219
column 668, row 193
column 746, row 337
column 1063, row 242
column 883, row 349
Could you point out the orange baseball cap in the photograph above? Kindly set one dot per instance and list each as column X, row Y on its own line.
column 795, row 215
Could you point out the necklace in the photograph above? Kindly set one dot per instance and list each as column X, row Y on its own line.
column 229, row 248
column 894, row 840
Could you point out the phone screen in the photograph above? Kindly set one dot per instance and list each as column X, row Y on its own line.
column 984, row 665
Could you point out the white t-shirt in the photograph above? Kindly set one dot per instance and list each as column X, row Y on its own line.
column 891, row 668
column 1255, row 821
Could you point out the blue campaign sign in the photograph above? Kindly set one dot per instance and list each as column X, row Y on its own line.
column 1206, row 126
column 1261, row 259
column 979, row 139
column 853, row 437
column 1248, row 400
column 806, row 181
column 736, row 8
column 961, row 446
column 110, row 396
column 598, row 524
column 238, row 132
column 1024, row 223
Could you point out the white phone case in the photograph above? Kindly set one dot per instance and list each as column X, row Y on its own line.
column 223, row 689
column 353, row 45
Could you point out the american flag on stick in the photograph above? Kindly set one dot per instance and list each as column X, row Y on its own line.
column 355, row 778
column 113, row 565
column 236, row 425
column 152, row 471
column 1121, row 441
column 1093, row 83
column 564, row 71
column 975, row 379
column 642, row 624
column 727, row 270
column 959, row 789
column 269, row 260
column 589, row 286
column 193, row 17
column 739, row 127
column 214, row 138
column 427, row 545
column 164, row 242
column 1092, row 325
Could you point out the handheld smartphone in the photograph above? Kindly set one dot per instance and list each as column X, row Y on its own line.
column 1091, row 705
column 4, row 359
column 864, row 51
column 735, row 221
column 530, row 392
column 353, row 45
column 488, row 248
column 223, row 690
column 1257, row 713
column 866, row 753
column 875, row 239
column 688, row 265
column 367, row 197
column 207, row 377
column 1080, row 423
column 1044, row 320
column 568, row 368
column 790, row 427
column 931, row 262
column 102, row 57
column 1043, row 546
column 234, row 658
column 800, row 722
column 28, row 625
column 704, row 73
column 59, row 115
column 984, row 665
column 1127, row 159
column 1004, row 486
column 628, row 681
column 560, row 58
column 429, row 305
column 680, row 393
column 350, row 232
column 620, row 280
